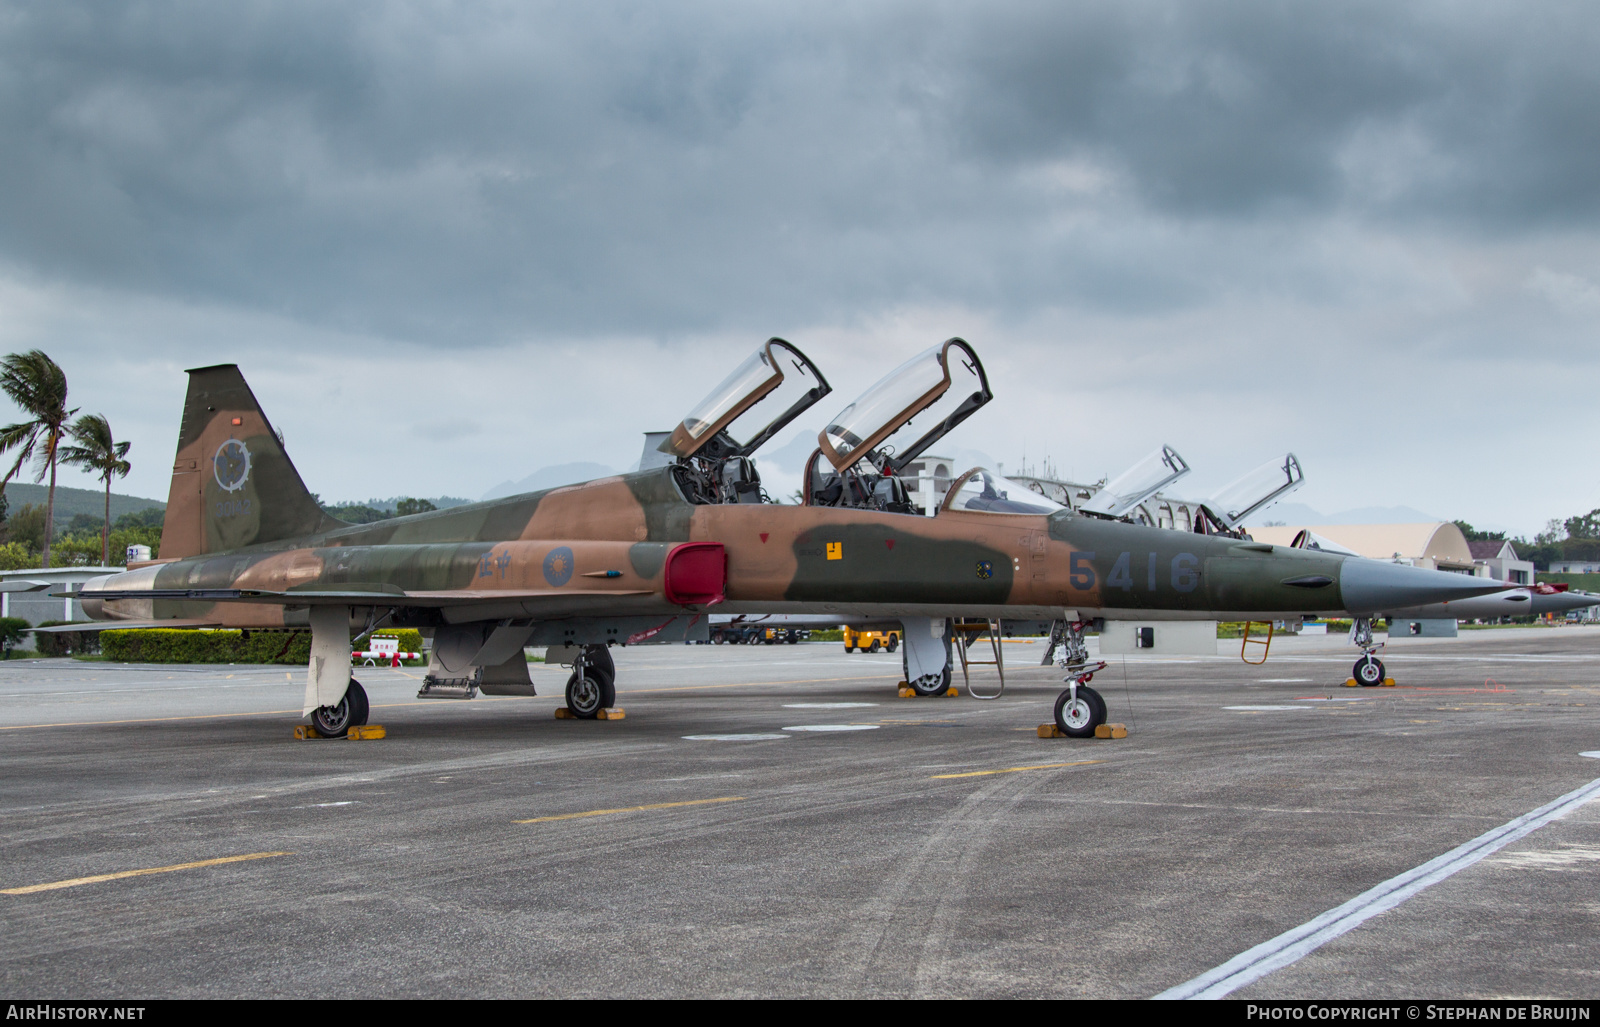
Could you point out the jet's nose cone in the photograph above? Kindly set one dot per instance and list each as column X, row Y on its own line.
column 1562, row 602
column 1374, row 586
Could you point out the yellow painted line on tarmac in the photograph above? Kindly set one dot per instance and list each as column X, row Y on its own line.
column 631, row 809
column 97, row 878
column 1016, row 770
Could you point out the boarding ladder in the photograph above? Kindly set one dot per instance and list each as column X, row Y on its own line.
column 1246, row 642
column 970, row 632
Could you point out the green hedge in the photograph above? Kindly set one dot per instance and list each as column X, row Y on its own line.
column 49, row 643
column 174, row 645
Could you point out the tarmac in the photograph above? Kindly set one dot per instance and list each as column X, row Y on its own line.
column 774, row 821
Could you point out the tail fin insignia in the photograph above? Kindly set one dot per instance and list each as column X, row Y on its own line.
column 232, row 483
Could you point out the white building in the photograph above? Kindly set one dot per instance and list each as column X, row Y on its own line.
column 1498, row 559
column 38, row 607
column 931, row 475
column 1438, row 545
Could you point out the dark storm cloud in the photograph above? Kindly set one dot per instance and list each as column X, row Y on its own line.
column 473, row 173
column 1477, row 115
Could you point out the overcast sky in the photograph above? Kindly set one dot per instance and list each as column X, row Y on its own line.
column 450, row 244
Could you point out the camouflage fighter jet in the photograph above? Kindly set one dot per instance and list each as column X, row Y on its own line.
column 642, row 557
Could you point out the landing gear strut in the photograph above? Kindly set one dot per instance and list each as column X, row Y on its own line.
column 1079, row 709
column 1368, row 671
column 351, row 711
column 592, row 686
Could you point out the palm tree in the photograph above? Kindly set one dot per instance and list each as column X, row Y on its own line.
column 99, row 453
column 37, row 385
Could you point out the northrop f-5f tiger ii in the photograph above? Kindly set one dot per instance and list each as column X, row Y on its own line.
column 641, row 557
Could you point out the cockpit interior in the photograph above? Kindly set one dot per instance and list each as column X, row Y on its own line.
column 773, row 386
column 855, row 465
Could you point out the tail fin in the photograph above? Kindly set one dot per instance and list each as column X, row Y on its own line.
column 232, row 483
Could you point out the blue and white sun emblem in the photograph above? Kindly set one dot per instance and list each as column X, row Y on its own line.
column 558, row 566
column 231, row 465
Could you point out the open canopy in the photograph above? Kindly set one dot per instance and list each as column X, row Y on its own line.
column 1255, row 489
column 981, row 490
column 772, row 387
column 1138, row 483
column 947, row 382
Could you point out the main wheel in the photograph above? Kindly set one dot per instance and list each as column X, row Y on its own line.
column 1078, row 718
column 939, row 686
column 351, row 711
column 1368, row 672
column 587, row 697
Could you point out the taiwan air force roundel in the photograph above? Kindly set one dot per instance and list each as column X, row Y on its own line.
column 558, row 566
column 231, row 465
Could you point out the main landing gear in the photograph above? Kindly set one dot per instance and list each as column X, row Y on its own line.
column 1079, row 709
column 1368, row 671
column 351, row 711
column 592, row 686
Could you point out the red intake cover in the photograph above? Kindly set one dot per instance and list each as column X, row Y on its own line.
column 696, row 574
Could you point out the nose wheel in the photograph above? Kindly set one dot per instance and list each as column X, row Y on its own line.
column 1368, row 672
column 1079, row 711
column 351, row 711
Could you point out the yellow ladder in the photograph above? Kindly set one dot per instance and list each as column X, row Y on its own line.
column 1247, row 641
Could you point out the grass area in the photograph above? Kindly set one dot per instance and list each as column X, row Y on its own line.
column 1527, row 624
column 1258, row 629
column 1581, row 582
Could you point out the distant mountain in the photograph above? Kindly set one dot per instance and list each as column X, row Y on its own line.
column 1300, row 515
column 71, row 502
column 549, row 478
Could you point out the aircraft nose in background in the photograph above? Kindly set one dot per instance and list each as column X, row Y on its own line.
column 1374, row 586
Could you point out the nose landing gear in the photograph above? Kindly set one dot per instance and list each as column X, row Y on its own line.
column 1368, row 671
column 1079, row 709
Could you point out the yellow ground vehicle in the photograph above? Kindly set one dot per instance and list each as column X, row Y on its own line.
column 870, row 641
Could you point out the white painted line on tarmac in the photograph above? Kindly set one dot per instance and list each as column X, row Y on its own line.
column 833, row 727
column 1594, row 755
column 826, row 705
column 1283, row 681
column 1259, row 709
column 1353, row 698
column 1292, row 945
column 732, row 738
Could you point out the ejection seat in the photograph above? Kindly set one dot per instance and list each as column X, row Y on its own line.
column 854, row 467
column 769, row 389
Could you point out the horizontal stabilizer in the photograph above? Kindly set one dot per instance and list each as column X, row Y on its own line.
column 364, row 597
column 127, row 625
